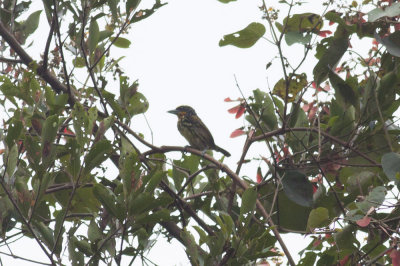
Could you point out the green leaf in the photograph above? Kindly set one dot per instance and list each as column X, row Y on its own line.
column 93, row 35
column 131, row 5
column 76, row 257
column 319, row 217
column 99, row 152
column 32, row 22
column 331, row 57
column 121, row 42
column 298, row 188
column 391, row 42
column 80, row 122
column 155, row 180
column 305, row 22
column 190, row 244
column 12, row 160
column 94, row 233
column 297, row 83
column 13, row 132
column 263, row 107
column 49, row 133
column 141, row 203
column 113, row 7
column 59, row 230
column 374, row 199
column 387, row 11
column 344, row 93
column 33, row 151
column 345, row 239
column 244, row 38
column 297, row 37
column 108, row 199
column 227, row 1
column 155, row 217
column 78, row 62
column 391, row 165
column 387, row 90
column 138, row 104
column 83, row 246
column 309, row 259
column 359, row 182
column 116, row 107
column 45, row 234
column 249, row 199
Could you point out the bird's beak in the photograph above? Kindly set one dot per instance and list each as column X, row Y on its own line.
column 175, row 112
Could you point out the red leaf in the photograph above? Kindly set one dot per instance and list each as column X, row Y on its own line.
column 364, row 221
column 240, row 112
column 324, row 33
column 317, row 242
column 395, row 256
column 228, row 99
column 307, row 106
column 338, row 69
column 237, row 132
column 343, row 261
column 234, row 110
column 331, row 23
column 314, row 85
column 312, row 113
column 314, row 187
column 259, row 175
column 67, row 131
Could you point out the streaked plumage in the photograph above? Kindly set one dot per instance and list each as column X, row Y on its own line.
column 194, row 131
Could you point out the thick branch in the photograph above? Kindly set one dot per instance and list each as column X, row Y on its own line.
column 237, row 179
column 315, row 130
column 27, row 60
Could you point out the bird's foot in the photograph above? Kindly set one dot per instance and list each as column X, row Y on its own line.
column 203, row 152
column 185, row 149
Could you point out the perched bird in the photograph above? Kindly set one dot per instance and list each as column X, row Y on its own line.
column 193, row 129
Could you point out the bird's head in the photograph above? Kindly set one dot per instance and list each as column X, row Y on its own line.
column 183, row 111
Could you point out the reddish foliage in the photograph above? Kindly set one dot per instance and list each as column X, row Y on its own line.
column 314, row 188
column 317, row 242
column 228, row 99
column 259, row 175
column 67, row 131
column 395, row 256
column 324, row 33
column 237, row 132
column 338, row 69
column 240, row 112
column 343, row 261
column 314, row 85
column 234, row 110
column 364, row 221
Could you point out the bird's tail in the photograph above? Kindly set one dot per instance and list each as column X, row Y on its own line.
column 226, row 153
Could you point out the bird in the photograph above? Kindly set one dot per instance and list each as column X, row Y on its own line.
column 194, row 131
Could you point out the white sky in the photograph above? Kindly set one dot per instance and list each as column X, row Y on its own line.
column 176, row 57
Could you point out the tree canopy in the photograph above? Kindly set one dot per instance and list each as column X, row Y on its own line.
column 329, row 170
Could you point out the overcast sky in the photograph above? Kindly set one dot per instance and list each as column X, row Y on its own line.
column 176, row 57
